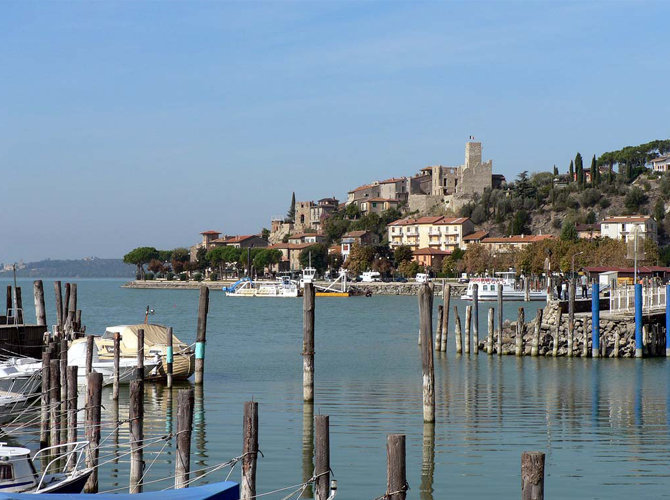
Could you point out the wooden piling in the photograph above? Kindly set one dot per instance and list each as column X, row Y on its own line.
column 185, row 400
column 136, row 417
column 571, row 318
column 19, row 305
column 93, row 410
column 72, row 307
column 201, row 334
column 46, row 388
column 520, row 325
column 40, row 310
column 396, row 478
column 55, row 402
column 117, row 363
column 77, row 320
column 90, row 346
column 468, row 323
column 557, row 330
column 489, row 341
column 63, row 390
column 170, row 358
column 457, row 332
column 475, row 319
column 500, row 317
column 535, row 347
column 526, row 289
column 438, row 329
column 66, row 305
column 446, row 299
column 139, row 370
column 250, row 447
column 8, row 302
column 322, row 458
column 532, row 475
column 72, row 373
column 427, row 366
column 308, row 342
column 59, row 305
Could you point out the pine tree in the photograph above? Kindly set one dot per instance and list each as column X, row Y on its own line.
column 572, row 171
column 290, row 215
column 595, row 172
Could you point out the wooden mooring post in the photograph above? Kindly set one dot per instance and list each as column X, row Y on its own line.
column 595, row 321
column 532, row 475
column 58, row 292
column 500, row 318
column 185, row 400
column 46, row 388
column 201, row 334
column 117, row 363
column 64, row 384
column 475, row 319
column 489, row 340
column 169, row 361
column 468, row 325
column 396, row 472
column 667, row 320
column 136, row 418
column 535, row 346
column 557, row 330
column 446, row 300
column 55, row 403
column 458, row 338
column 250, row 448
column 40, row 310
column 308, row 342
column 90, row 346
column 93, row 410
column 66, row 305
column 520, row 325
column 19, row 305
column 322, row 457
column 427, row 362
column 72, row 373
column 438, row 329
column 571, row 317
column 139, row 370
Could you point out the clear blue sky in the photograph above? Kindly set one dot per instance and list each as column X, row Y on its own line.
column 144, row 123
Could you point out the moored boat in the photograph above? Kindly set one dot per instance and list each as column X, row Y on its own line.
column 20, row 375
column 283, row 287
column 487, row 288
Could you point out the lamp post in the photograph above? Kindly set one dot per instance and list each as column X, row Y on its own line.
column 573, row 263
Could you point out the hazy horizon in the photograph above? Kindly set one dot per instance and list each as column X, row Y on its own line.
column 144, row 123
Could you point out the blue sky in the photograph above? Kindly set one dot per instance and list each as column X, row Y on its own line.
column 144, row 123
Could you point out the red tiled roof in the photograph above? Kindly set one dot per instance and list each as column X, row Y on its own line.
column 453, row 220
column 237, row 239
column 626, row 218
column 355, row 234
column 430, row 251
column 361, row 188
column 524, row 238
column 477, row 235
column 211, row 232
column 587, row 227
column 430, row 220
column 393, row 179
column 290, row 246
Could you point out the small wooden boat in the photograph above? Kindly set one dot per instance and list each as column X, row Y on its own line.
column 18, row 474
column 155, row 344
column 226, row 490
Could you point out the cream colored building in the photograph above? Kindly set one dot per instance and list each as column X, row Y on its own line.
column 439, row 233
column 503, row 244
column 623, row 227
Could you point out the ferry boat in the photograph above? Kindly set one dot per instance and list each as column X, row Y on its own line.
column 488, row 288
column 246, row 287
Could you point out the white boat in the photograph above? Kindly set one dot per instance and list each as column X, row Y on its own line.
column 308, row 276
column 284, row 287
column 21, row 375
column 12, row 405
column 488, row 288
column 19, row 475
column 76, row 356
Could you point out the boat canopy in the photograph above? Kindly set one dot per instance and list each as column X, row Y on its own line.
column 154, row 335
column 225, row 490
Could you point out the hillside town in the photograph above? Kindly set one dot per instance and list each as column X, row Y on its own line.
column 446, row 220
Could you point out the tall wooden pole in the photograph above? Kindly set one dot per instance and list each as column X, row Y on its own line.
column 19, row 305
column 72, row 373
column 438, row 329
column 66, row 305
column 201, row 335
column 427, row 367
column 571, row 318
column 46, row 387
column 475, row 318
column 520, row 326
column 136, row 417
column 63, row 389
column 40, row 310
column 458, row 334
column 468, row 326
column 445, row 319
column 90, row 346
column 59, row 305
column 72, row 308
column 532, row 475
column 117, row 363
column 535, row 347
column 139, row 370
column 93, row 410
column 250, row 449
column 322, row 458
column 396, row 478
column 308, row 342
column 491, row 320
column 185, row 399
column 500, row 318
column 55, row 402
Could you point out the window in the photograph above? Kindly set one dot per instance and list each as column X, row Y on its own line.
column 485, row 288
column 302, row 219
column 374, row 204
column 6, row 471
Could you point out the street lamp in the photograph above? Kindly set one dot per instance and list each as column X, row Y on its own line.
column 573, row 263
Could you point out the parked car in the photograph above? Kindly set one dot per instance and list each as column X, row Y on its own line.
column 370, row 276
column 400, row 279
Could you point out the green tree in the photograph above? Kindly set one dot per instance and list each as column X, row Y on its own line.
column 140, row 256
column 360, row 259
column 290, row 215
column 568, row 231
column 595, row 172
column 319, row 257
column 635, row 199
column 519, row 224
column 201, row 260
column 579, row 170
column 165, row 255
column 571, row 171
column 555, row 170
column 659, row 210
column 265, row 233
column 402, row 254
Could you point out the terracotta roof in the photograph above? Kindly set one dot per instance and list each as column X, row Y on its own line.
column 430, row 220
column 361, row 188
column 290, row 246
column 355, row 234
column 626, row 218
column 392, row 180
column 661, row 158
column 430, row 251
column 211, row 232
column 334, row 249
column 477, row 235
column 524, row 238
column 587, row 227
column 237, row 239
column 453, row 220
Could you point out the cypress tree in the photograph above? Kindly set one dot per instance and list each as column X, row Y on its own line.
column 290, row 215
column 579, row 168
column 572, row 171
column 555, row 170
column 595, row 173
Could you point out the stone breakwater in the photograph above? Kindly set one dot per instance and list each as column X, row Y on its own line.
column 356, row 288
column 617, row 336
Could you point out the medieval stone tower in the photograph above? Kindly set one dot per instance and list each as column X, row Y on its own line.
column 474, row 176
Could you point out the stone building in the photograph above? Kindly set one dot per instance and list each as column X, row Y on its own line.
column 321, row 211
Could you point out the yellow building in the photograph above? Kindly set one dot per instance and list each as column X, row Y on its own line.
column 438, row 233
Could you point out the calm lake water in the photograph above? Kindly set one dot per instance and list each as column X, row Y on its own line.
column 604, row 424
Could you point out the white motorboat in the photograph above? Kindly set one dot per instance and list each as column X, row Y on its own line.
column 19, row 475
column 488, row 288
column 12, row 405
column 21, row 375
column 284, row 287
column 76, row 356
